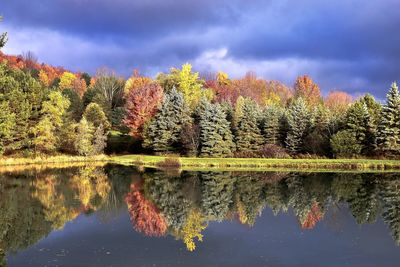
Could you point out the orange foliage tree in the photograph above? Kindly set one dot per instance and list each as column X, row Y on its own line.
column 145, row 216
column 312, row 217
column 141, row 105
column 136, row 81
column 307, row 89
column 338, row 101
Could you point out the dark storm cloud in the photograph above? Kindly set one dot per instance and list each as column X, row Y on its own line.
column 351, row 45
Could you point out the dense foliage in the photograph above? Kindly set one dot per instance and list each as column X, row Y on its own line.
column 47, row 110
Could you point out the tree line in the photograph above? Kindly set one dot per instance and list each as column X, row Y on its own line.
column 48, row 110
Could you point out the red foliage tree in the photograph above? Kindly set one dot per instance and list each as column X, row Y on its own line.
column 307, row 89
column 145, row 217
column 338, row 101
column 141, row 105
column 313, row 217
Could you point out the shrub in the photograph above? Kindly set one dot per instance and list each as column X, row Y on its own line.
column 345, row 144
column 273, row 151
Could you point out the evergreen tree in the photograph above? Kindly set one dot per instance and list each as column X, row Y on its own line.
column 248, row 135
column 75, row 109
column 299, row 123
column 162, row 134
column 360, row 123
column 388, row 135
column 271, row 124
column 7, row 124
column 217, row 194
column 215, row 133
column 390, row 194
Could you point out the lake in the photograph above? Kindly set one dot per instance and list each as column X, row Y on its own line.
column 126, row 216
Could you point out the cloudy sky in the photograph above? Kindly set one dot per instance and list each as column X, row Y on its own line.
column 353, row 45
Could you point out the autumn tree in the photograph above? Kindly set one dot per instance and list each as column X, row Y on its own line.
column 95, row 115
column 305, row 88
column 84, row 136
column 67, row 80
column 145, row 216
column 46, row 132
column 141, row 105
column 338, row 101
column 108, row 91
column 136, row 81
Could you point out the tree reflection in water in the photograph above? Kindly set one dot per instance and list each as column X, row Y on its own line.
column 34, row 203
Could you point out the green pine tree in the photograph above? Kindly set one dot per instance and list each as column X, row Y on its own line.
column 217, row 194
column 248, row 135
column 271, row 125
column 215, row 134
column 361, row 124
column 299, row 123
column 7, row 124
column 388, row 135
column 162, row 134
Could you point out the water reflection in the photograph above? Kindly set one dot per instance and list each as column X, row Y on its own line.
column 34, row 203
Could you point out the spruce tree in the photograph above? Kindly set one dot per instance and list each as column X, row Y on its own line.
column 390, row 195
column 299, row 123
column 248, row 135
column 162, row 133
column 360, row 123
column 271, row 125
column 215, row 133
column 388, row 135
column 217, row 194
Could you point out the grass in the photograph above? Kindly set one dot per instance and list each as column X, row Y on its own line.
column 187, row 163
column 231, row 164
column 6, row 161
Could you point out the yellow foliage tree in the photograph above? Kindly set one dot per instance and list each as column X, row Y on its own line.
column 192, row 229
column 136, row 81
column 223, row 78
column 44, row 78
column 67, row 80
column 190, row 85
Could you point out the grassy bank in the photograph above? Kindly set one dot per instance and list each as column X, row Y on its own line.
column 51, row 160
column 260, row 163
column 232, row 164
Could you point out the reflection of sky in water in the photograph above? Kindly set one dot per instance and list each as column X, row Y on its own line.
column 106, row 238
column 273, row 241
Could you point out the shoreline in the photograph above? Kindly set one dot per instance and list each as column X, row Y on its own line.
column 223, row 164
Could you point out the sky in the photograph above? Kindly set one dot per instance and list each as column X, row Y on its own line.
column 350, row 45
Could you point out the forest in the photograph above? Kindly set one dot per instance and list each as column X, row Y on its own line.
column 46, row 110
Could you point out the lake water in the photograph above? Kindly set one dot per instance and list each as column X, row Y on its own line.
column 121, row 216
